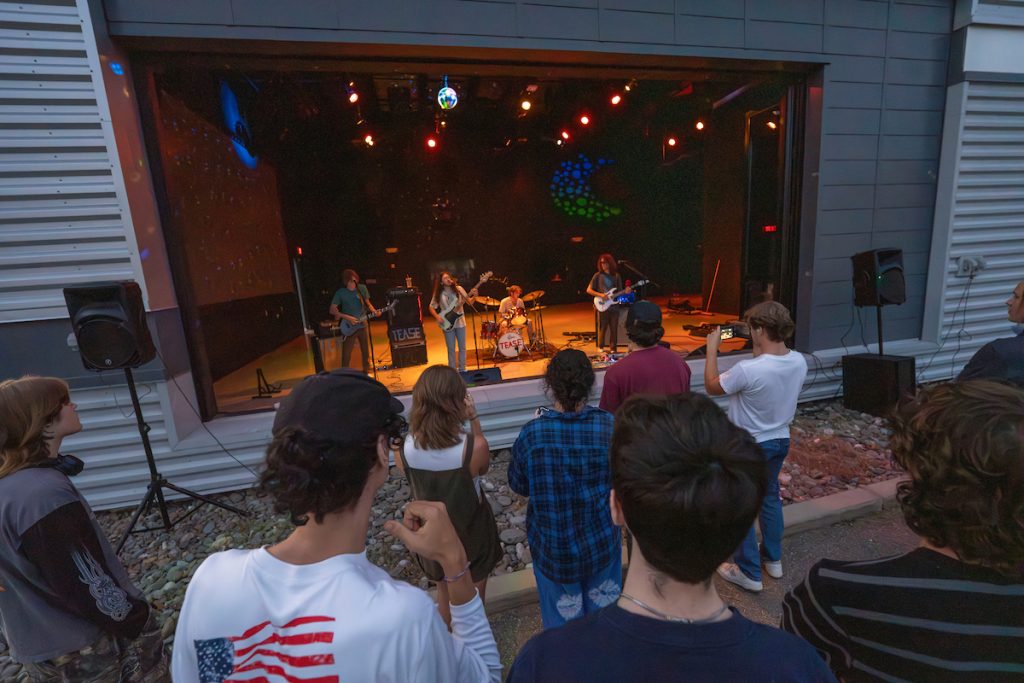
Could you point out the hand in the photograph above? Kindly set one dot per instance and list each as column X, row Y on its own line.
column 351, row 318
column 426, row 530
column 714, row 339
column 629, row 290
column 606, row 295
column 376, row 312
column 470, row 407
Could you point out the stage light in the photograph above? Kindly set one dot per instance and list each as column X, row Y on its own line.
column 117, row 68
column 565, row 135
column 700, row 125
column 298, row 251
column 585, row 120
column 525, row 105
column 771, row 124
column 671, row 141
column 447, row 98
column 559, row 142
column 353, row 97
column 369, row 140
column 616, row 98
column 444, row 124
column 576, row 239
column 629, row 86
column 431, row 142
column 390, row 250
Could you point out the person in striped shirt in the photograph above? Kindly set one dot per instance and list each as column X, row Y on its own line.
column 952, row 608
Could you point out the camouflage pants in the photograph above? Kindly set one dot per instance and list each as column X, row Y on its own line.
column 110, row 660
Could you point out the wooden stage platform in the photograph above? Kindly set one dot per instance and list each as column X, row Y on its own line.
column 289, row 363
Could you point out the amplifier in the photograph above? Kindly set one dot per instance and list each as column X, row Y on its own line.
column 407, row 312
column 875, row 384
column 475, row 378
column 408, row 355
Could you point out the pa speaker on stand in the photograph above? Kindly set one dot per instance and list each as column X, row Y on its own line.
column 109, row 322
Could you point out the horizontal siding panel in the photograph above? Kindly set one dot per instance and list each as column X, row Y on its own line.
column 794, row 11
column 895, row 196
column 637, row 27
column 853, row 172
column 853, row 69
column 732, row 9
column 918, row 45
column 930, row 19
column 908, row 171
column 855, row 95
column 852, row 121
column 915, row 71
column 849, row 147
column 709, row 31
column 568, row 23
column 845, row 221
column 909, row 147
column 771, row 35
column 854, row 41
column 857, row 13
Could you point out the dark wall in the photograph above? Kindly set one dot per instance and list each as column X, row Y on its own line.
column 885, row 64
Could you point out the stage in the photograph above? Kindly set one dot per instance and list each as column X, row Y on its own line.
column 287, row 364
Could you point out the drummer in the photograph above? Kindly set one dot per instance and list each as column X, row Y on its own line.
column 512, row 312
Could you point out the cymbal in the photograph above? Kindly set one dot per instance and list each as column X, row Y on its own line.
column 533, row 295
column 488, row 301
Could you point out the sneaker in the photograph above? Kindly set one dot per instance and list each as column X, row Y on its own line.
column 773, row 569
column 734, row 574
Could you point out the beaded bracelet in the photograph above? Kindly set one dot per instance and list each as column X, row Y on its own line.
column 458, row 576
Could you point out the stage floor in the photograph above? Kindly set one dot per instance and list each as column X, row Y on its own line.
column 290, row 362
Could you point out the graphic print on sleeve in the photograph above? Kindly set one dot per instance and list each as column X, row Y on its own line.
column 294, row 652
column 111, row 599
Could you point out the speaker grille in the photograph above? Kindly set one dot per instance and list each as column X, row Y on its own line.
column 106, row 343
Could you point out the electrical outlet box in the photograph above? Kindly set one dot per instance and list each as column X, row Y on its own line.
column 969, row 266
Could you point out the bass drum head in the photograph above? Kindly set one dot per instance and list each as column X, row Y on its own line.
column 511, row 344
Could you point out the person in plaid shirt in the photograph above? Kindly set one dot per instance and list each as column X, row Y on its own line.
column 560, row 461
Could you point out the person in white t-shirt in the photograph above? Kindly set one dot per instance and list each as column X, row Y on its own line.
column 762, row 392
column 312, row 607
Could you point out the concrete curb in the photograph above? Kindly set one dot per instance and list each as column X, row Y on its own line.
column 520, row 588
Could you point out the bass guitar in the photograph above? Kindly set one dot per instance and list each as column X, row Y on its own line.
column 602, row 303
column 449, row 316
column 346, row 329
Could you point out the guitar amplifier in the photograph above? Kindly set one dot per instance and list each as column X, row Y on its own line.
column 875, row 384
column 408, row 312
column 407, row 355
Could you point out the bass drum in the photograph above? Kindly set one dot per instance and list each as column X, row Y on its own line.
column 511, row 344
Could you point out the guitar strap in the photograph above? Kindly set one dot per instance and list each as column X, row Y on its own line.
column 362, row 299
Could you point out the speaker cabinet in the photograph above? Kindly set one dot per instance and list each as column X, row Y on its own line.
column 408, row 355
column 875, row 384
column 109, row 322
column 407, row 312
column 476, row 378
column 878, row 278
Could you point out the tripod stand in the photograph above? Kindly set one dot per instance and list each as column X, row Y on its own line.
column 156, row 481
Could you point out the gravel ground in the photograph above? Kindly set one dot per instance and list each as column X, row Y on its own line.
column 833, row 449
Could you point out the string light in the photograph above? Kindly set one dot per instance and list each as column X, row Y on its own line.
column 585, row 120
column 771, row 124
column 700, row 125
column 369, row 140
column 525, row 105
column 671, row 141
column 431, row 142
column 616, row 98
column 565, row 135
column 353, row 97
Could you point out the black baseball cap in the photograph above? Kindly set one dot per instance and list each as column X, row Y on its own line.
column 644, row 312
column 344, row 406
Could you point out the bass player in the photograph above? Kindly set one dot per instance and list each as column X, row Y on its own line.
column 352, row 303
column 450, row 297
column 605, row 280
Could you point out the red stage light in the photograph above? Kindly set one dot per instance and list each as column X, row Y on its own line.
column 432, row 142
column 700, row 125
column 298, row 250
column 565, row 135
column 353, row 97
column 585, row 120
column 369, row 140
column 671, row 142
column 616, row 98
column 770, row 228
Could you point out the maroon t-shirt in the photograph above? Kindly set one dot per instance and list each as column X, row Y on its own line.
column 654, row 370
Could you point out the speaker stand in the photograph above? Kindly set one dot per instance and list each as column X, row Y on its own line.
column 156, row 481
column 878, row 313
column 265, row 389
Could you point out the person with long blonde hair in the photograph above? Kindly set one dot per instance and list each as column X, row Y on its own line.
column 443, row 462
column 69, row 610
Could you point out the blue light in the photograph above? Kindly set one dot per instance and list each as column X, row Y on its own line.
column 117, row 68
column 241, row 135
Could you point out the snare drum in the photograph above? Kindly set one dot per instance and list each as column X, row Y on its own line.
column 488, row 329
column 511, row 344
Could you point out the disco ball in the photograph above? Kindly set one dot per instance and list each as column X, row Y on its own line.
column 447, row 98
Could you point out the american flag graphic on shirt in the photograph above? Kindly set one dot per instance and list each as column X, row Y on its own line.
column 296, row 652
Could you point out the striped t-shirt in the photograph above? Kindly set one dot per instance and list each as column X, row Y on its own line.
column 921, row 616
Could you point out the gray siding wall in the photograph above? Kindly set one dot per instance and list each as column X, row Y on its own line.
column 885, row 65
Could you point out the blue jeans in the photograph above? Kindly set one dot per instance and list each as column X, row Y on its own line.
column 747, row 557
column 456, row 334
column 562, row 602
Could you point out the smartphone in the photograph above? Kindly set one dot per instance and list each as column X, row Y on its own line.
column 727, row 333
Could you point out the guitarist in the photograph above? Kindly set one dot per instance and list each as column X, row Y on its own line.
column 606, row 278
column 448, row 294
column 350, row 303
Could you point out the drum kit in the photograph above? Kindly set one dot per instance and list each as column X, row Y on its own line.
column 508, row 332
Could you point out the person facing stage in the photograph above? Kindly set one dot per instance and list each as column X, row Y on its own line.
column 605, row 279
column 448, row 300
column 352, row 303
column 513, row 307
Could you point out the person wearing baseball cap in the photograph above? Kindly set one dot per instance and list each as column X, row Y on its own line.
column 312, row 605
column 650, row 368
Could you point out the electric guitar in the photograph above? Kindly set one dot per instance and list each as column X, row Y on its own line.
column 347, row 329
column 603, row 304
column 449, row 316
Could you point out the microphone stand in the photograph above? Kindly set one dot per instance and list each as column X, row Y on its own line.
column 639, row 274
column 476, row 345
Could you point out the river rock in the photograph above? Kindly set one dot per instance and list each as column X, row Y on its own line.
column 512, row 535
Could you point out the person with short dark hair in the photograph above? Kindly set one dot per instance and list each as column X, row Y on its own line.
column 650, row 368
column 352, row 304
column 67, row 606
column 312, row 606
column 1002, row 359
column 763, row 392
column 560, row 461
column 688, row 484
column 953, row 608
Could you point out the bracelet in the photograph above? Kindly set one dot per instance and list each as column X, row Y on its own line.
column 472, row 417
column 453, row 579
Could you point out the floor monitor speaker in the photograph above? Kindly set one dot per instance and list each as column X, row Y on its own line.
column 476, row 378
column 875, row 384
column 408, row 355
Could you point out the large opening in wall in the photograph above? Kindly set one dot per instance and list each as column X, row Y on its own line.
column 266, row 167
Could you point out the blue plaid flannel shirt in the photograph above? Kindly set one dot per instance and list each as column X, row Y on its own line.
column 560, row 460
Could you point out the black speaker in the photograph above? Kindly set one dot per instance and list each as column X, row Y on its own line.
column 878, row 278
column 407, row 311
column 875, row 384
column 408, row 355
column 109, row 321
column 476, row 378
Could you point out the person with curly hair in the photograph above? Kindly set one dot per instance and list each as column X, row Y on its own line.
column 560, row 461
column 312, row 607
column 67, row 606
column 952, row 608
column 443, row 462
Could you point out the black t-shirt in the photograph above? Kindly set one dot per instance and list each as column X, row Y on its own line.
column 616, row 645
column 602, row 282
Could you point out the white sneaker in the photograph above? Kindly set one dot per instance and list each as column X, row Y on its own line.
column 773, row 569
column 733, row 574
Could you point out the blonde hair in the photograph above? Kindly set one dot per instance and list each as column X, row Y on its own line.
column 438, row 408
column 28, row 408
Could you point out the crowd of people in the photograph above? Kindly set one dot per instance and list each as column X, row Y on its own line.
column 683, row 479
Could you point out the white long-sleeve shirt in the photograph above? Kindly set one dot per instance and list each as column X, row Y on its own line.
column 249, row 616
